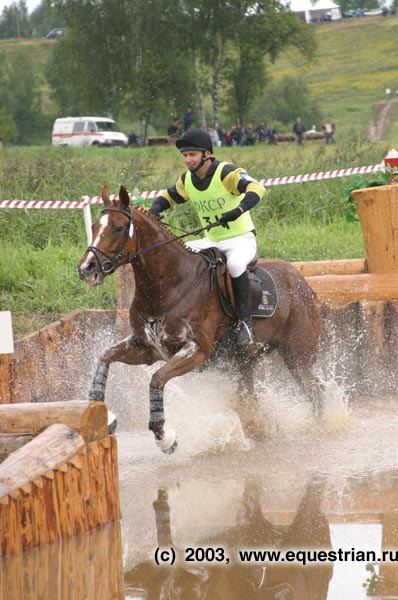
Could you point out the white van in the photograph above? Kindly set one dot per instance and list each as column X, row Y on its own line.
column 87, row 131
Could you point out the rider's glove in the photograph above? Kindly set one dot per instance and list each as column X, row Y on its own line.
column 230, row 215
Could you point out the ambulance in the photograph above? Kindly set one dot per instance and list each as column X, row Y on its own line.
column 87, row 131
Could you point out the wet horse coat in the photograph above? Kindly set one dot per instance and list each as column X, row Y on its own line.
column 176, row 315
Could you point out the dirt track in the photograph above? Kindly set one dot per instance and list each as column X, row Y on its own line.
column 380, row 122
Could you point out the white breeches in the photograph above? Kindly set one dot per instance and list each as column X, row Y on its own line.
column 239, row 250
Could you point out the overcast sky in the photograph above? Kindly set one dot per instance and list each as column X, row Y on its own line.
column 31, row 4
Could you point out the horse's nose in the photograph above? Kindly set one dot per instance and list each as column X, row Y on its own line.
column 86, row 268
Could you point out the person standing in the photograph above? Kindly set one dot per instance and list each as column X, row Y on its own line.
column 188, row 119
column 329, row 129
column 298, row 130
column 220, row 193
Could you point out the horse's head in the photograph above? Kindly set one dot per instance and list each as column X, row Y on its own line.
column 112, row 239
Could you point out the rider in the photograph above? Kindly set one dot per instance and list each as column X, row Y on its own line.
column 223, row 193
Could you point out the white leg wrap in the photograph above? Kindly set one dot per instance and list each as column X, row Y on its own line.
column 168, row 443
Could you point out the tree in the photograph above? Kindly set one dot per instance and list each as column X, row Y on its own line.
column 44, row 18
column 285, row 100
column 14, row 21
column 8, row 128
column 266, row 29
column 19, row 95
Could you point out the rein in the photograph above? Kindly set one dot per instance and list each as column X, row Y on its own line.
column 133, row 255
column 111, row 262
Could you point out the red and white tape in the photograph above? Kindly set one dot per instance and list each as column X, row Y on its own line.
column 87, row 200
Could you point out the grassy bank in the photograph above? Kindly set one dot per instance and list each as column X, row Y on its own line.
column 40, row 248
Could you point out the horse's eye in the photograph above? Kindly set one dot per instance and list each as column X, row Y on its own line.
column 118, row 229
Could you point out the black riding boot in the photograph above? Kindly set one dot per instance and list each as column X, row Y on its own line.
column 244, row 330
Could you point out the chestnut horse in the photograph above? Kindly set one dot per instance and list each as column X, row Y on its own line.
column 176, row 315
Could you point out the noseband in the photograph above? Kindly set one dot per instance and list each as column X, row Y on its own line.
column 109, row 265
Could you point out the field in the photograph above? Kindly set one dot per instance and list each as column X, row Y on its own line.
column 40, row 248
column 356, row 63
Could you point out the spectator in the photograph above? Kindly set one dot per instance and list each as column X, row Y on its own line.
column 298, row 130
column 229, row 137
column 237, row 134
column 174, row 130
column 269, row 134
column 188, row 119
column 329, row 128
column 221, row 135
column 214, row 137
column 250, row 135
column 132, row 139
column 260, row 131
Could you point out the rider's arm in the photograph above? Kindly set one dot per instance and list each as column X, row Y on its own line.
column 238, row 182
column 172, row 195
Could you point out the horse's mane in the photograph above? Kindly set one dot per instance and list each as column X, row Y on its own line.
column 144, row 210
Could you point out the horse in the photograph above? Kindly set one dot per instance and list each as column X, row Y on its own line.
column 176, row 315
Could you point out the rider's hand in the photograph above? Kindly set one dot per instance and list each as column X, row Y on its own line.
column 230, row 215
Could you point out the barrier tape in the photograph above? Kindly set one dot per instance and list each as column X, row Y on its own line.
column 288, row 179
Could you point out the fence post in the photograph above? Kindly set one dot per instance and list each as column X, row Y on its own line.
column 378, row 213
column 87, row 222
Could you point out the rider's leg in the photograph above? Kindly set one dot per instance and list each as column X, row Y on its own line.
column 202, row 244
column 240, row 251
column 241, row 287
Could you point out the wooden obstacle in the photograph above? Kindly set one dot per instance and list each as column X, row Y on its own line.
column 60, row 484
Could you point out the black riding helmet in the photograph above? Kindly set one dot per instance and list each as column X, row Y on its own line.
column 194, row 139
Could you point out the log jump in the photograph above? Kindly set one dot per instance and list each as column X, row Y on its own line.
column 61, row 483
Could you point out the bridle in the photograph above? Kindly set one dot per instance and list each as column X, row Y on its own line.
column 112, row 262
column 109, row 265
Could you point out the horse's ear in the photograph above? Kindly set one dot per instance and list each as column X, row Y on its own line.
column 105, row 196
column 124, row 197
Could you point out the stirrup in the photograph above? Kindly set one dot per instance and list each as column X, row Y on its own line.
column 244, row 333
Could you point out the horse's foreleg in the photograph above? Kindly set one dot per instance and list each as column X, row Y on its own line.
column 187, row 359
column 128, row 351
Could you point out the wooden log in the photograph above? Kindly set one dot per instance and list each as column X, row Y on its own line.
column 378, row 212
column 9, row 442
column 354, row 266
column 90, row 419
column 355, row 288
column 47, row 451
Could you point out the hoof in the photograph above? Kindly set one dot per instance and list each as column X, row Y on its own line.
column 112, row 422
column 168, row 443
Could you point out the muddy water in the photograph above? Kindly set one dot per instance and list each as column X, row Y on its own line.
column 329, row 484
column 310, row 485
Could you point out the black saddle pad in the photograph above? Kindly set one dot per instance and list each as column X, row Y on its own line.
column 269, row 295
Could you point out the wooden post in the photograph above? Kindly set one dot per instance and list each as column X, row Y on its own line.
column 90, row 419
column 46, row 452
column 378, row 212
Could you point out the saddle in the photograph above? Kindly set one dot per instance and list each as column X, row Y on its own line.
column 264, row 296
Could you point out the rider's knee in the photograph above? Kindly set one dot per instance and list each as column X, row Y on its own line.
column 235, row 268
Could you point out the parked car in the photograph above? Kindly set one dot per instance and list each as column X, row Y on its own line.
column 87, row 131
column 57, row 32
